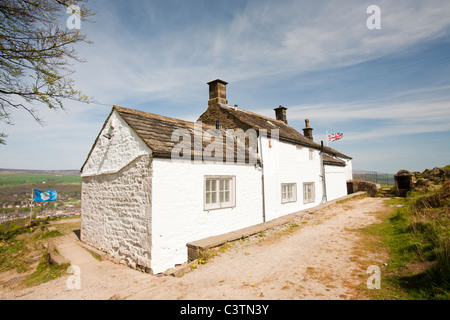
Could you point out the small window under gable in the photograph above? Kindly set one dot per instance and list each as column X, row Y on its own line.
column 219, row 192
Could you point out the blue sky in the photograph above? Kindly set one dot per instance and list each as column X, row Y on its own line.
column 387, row 90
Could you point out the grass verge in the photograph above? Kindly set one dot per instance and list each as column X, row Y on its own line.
column 23, row 252
column 416, row 238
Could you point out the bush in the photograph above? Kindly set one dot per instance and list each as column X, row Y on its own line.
column 438, row 198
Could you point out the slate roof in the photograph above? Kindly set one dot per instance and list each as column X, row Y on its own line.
column 156, row 132
column 231, row 117
column 332, row 161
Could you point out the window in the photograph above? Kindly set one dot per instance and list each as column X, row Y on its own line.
column 288, row 192
column 311, row 154
column 308, row 192
column 219, row 192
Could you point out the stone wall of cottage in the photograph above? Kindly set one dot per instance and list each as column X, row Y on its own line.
column 116, row 213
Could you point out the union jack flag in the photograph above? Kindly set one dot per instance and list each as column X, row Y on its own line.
column 335, row 136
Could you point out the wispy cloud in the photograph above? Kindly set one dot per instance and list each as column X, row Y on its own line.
column 263, row 39
column 161, row 54
column 387, row 119
column 406, row 112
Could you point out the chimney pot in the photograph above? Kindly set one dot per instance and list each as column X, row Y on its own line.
column 307, row 130
column 280, row 114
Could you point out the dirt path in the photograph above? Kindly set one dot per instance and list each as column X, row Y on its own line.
column 314, row 259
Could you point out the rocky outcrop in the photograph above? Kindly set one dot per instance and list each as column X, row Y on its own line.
column 436, row 175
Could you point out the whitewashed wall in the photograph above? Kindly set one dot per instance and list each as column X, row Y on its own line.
column 178, row 216
column 348, row 169
column 336, row 181
column 111, row 155
column 116, row 195
column 287, row 163
column 116, row 212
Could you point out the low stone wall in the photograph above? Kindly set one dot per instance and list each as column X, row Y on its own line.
column 358, row 185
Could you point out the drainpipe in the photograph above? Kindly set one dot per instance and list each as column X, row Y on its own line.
column 324, row 184
column 262, row 178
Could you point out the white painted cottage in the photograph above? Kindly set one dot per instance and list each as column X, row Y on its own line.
column 151, row 184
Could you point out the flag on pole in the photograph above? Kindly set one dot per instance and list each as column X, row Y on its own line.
column 44, row 196
column 335, row 136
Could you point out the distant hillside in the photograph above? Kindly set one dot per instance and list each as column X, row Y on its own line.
column 17, row 185
column 52, row 172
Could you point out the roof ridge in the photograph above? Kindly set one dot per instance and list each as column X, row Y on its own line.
column 149, row 114
column 231, row 108
column 310, row 143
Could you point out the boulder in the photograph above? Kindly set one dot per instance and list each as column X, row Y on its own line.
column 358, row 185
column 53, row 257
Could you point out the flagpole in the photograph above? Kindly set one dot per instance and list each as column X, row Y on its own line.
column 31, row 206
column 327, row 137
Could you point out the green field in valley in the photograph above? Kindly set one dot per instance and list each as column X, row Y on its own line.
column 17, row 179
column 16, row 187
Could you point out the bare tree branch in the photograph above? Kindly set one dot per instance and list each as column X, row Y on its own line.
column 35, row 54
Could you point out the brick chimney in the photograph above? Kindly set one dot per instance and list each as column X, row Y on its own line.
column 307, row 131
column 217, row 92
column 280, row 114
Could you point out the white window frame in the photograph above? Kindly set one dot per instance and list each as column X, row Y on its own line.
column 215, row 192
column 309, row 192
column 288, row 192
